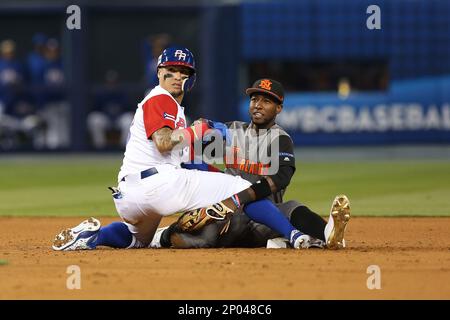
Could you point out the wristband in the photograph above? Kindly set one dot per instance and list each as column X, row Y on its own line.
column 261, row 189
column 194, row 132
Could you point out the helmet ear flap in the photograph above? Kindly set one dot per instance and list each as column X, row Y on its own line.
column 188, row 83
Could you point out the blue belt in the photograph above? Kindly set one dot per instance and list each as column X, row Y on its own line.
column 146, row 173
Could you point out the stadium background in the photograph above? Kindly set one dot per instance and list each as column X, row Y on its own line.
column 368, row 109
column 346, row 84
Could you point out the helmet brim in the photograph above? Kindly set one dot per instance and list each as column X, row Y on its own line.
column 177, row 63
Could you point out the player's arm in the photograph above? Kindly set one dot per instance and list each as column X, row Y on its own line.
column 160, row 114
column 166, row 138
column 286, row 170
column 282, row 178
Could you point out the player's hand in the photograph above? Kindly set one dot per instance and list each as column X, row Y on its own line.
column 215, row 125
column 198, row 121
column 221, row 128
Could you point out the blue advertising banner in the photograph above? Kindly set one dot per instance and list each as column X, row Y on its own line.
column 413, row 111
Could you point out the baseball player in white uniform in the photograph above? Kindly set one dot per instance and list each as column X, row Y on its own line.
column 151, row 182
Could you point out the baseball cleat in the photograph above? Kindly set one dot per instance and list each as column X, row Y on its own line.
column 339, row 217
column 81, row 237
column 304, row 241
column 316, row 243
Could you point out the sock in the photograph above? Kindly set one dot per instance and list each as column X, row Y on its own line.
column 308, row 222
column 265, row 212
column 115, row 235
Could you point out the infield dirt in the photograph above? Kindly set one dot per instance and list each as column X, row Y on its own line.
column 413, row 255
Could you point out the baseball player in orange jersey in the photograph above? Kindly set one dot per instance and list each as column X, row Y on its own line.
column 238, row 230
column 152, row 184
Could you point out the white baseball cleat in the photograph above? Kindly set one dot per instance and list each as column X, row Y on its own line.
column 337, row 222
column 156, row 242
column 304, row 241
column 81, row 237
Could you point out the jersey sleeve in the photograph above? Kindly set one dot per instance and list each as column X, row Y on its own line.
column 287, row 163
column 159, row 111
column 286, row 151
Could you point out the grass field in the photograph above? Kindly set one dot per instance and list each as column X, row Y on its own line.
column 77, row 186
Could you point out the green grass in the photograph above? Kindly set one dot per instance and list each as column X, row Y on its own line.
column 60, row 187
column 381, row 188
column 78, row 187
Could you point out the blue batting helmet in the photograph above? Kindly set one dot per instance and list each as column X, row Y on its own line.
column 179, row 56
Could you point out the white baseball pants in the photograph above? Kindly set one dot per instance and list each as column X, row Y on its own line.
column 172, row 190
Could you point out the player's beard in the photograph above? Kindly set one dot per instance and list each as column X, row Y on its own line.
column 176, row 93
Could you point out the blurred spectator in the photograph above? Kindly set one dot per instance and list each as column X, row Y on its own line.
column 17, row 113
column 36, row 59
column 11, row 72
column 51, row 97
column 20, row 126
column 344, row 88
column 53, row 74
column 153, row 47
column 110, row 113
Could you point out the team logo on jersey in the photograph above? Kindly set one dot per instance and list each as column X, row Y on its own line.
column 266, row 84
column 287, row 156
column 180, row 55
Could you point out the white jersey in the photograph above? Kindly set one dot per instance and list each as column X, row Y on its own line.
column 141, row 201
column 158, row 109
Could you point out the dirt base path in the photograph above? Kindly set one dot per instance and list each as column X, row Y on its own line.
column 413, row 255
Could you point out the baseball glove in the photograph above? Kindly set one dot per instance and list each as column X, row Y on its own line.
column 194, row 220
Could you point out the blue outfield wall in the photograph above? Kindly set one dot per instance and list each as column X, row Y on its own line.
column 412, row 111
